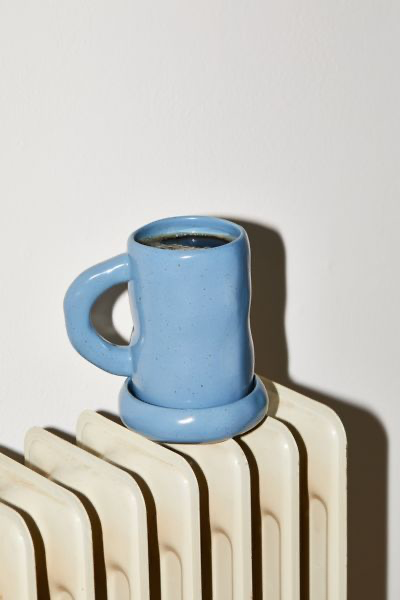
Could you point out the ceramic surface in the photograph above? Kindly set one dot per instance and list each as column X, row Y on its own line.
column 191, row 346
column 193, row 425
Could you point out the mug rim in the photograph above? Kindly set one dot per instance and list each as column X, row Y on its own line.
column 214, row 226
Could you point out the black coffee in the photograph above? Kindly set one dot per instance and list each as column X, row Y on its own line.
column 186, row 241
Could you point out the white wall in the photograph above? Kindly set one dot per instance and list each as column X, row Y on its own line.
column 285, row 114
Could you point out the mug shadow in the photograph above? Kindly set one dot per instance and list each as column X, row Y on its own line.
column 367, row 470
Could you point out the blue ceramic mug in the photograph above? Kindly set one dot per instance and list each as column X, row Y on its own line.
column 190, row 361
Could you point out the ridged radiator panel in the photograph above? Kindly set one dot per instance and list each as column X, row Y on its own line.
column 118, row 585
column 271, row 537
column 318, row 549
column 115, row 504
column 171, row 573
column 222, row 565
column 171, row 494
column 322, row 442
column 223, row 477
column 60, row 530
column 118, row 517
column 274, row 460
column 17, row 557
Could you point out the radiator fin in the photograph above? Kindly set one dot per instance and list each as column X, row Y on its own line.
column 322, row 443
column 171, row 570
column 115, row 504
column 223, row 477
column 272, row 557
column 273, row 457
column 171, row 494
column 63, row 595
column 119, row 517
column 17, row 557
column 61, row 528
column 118, row 585
column 318, row 549
column 222, row 567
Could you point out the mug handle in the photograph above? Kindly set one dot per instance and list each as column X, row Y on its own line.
column 79, row 299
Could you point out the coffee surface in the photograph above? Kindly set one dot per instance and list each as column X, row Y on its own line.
column 187, row 241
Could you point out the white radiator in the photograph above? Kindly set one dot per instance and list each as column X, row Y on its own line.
column 119, row 517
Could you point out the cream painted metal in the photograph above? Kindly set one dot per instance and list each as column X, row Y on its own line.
column 173, row 495
column 226, row 472
column 63, row 529
column 321, row 434
column 275, row 459
column 17, row 557
column 152, row 502
column 117, row 500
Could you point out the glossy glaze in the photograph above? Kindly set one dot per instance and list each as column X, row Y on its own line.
column 193, row 425
column 191, row 346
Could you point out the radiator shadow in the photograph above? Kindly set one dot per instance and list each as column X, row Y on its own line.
column 65, row 435
column 17, row 456
column 366, row 435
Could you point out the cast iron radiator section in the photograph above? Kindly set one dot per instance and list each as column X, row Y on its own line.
column 116, row 516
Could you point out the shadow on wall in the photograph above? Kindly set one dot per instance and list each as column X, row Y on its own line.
column 367, row 441
column 366, row 436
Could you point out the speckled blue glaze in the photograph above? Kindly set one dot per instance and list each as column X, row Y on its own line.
column 193, row 425
column 191, row 346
